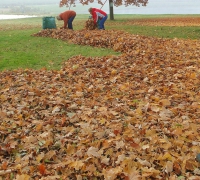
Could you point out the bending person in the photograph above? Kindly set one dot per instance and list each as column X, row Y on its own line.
column 67, row 17
column 98, row 14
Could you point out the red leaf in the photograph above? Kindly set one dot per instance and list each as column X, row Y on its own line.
column 134, row 145
column 42, row 169
column 116, row 132
column 4, row 165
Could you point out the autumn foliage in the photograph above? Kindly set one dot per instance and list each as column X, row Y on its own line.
column 116, row 2
column 132, row 116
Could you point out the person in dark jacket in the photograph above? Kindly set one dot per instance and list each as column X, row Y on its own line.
column 67, row 17
column 98, row 15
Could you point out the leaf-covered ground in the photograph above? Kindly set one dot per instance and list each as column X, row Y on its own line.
column 133, row 116
column 167, row 21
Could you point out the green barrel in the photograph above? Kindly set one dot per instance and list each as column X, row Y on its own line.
column 49, row 23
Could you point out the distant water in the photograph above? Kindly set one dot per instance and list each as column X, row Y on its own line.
column 153, row 7
column 160, row 7
column 3, row 16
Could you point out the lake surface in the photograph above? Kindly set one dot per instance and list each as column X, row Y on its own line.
column 3, row 16
column 160, row 7
column 153, row 7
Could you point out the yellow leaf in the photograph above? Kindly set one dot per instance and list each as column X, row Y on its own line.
column 102, row 109
column 155, row 98
column 139, row 111
column 177, row 131
column 91, row 168
column 40, row 157
column 70, row 149
column 124, row 87
column 109, row 152
column 105, row 160
column 165, row 102
column 39, row 127
column 155, row 108
column 192, row 75
column 92, row 151
column 112, row 173
column 147, row 172
column 3, row 98
column 114, row 71
column 76, row 165
column 75, row 66
column 169, row 167
column 166, row 156
column 102, row 121
column 50, row 154
column 22, row 177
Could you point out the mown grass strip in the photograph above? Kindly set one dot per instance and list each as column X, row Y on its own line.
column 18, row 49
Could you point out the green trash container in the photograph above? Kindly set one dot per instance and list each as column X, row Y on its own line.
column 49, row 23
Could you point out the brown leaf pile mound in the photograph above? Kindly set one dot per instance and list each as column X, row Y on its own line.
column 89, row 25
column 133, row 116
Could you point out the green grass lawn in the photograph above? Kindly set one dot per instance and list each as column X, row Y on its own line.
column 165, row 32
column 18, row 49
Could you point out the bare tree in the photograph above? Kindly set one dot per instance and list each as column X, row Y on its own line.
column 112, row 3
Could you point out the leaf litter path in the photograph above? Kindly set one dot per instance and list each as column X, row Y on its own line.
column 132, row 116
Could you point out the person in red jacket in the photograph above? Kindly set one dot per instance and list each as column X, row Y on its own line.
column 98, row 14
column 67, row 17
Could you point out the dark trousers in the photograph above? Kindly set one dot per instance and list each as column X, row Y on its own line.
column 102, row 21
column 70, row 26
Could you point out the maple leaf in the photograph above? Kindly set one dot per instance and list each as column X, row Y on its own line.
column 105, row 160
column 169, row 167
column 120, row 158
column 92, row 151
column 134, row 174
column 165, row 114
column 119, row 144
column 4, row 165
column 150, row 172
column 76, row 165
column 22, row 177
column 110, row 174
column 42, row 169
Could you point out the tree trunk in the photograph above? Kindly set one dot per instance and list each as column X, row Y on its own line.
column 111, row 9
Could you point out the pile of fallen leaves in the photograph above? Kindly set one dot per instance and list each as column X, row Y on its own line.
column 90, row 25
column 133, row 116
